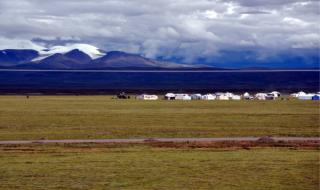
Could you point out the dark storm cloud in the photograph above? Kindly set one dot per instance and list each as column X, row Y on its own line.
column 186, row 30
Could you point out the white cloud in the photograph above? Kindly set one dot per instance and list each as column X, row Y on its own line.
column 305, row 41
column 184, row 28
column 295, row 21
column 6, row 43
column 211, row 14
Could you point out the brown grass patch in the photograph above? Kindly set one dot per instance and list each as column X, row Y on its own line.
column 237, row 144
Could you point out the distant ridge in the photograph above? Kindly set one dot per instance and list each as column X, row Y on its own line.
column 81, row 56
column 280, row 68
column 88, row 57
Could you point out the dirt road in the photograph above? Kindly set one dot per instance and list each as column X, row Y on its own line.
column 146, row 140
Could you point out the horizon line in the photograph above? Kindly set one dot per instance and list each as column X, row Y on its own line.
column 159, row 71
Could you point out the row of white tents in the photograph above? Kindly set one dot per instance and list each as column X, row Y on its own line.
column 214, row 96
column 267, row 96
column 223, row 96
column 306, row 96
column 230, row 96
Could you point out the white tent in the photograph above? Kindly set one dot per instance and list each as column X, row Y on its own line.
column 236, row 97
column 222, row 97
column 219, row 93
column 182, row 97
column 296, row 95
column 271, row 96
column 208, row 97
column 170, row 96
column 275, row 94
column 229, row 95
column 147, row 97
column 247, row 96
column 196, row 96
column 261, row 96
column 306, row 97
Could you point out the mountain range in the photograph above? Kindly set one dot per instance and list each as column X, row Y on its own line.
column 79, row 56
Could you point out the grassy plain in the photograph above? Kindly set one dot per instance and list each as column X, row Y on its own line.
column 82, row 117
column 143, row 167
column 121, row 166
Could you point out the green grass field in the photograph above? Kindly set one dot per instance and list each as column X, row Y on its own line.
column 105, row 166
column 143, row 167
column 82, row 117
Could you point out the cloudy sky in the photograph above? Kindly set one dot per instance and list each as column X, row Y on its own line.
column 224, row 33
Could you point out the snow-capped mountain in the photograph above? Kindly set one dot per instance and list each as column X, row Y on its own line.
column 90, row 50
column 77, row 56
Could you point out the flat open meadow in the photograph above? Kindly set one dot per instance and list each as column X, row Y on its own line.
column 143, row 167
column 151, row 166
column 90, row 117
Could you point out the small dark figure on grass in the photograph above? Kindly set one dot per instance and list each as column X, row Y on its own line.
column 123, row 95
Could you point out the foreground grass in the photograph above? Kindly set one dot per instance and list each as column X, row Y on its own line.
column 142, row 167
column 82, row 117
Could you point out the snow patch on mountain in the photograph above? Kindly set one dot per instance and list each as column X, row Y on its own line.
column 90, row 50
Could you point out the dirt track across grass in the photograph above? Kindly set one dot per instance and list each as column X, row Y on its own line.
column 169, row 140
